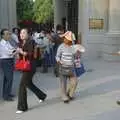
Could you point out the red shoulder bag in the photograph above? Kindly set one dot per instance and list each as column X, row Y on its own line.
column 23, row 65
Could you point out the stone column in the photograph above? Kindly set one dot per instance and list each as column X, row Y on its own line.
column 92, row 39
column 112, row 40
column 7, row 13
column 59, row 11
column 4, row 13
column 12, row 13
column 83, row 24
column 114, row 16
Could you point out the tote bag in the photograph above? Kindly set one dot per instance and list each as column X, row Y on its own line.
column 79, row 70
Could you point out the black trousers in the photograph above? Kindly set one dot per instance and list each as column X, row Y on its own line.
column 56, row 69
column 26, row 82
column 44, row 65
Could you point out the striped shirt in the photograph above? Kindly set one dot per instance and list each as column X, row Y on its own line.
column 65, row 55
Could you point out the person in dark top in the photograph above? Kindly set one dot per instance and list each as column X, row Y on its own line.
column 56, row 39
column 27, row 50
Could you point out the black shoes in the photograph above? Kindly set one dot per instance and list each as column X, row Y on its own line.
column 70, row 98
column 66, row 101
column 9, row 99
column 118, row 102
column 42, row 100
column 12, row 96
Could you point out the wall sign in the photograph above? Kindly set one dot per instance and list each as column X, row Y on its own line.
column 96, row 23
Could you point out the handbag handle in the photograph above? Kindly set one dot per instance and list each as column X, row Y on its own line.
column 35, row 53
column 23, row 57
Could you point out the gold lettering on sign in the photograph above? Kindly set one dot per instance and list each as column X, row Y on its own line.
column 96, row 23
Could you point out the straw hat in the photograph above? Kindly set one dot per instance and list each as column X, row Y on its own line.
column 68, row 35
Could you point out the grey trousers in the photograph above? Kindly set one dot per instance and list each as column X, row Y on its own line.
column 68, row 86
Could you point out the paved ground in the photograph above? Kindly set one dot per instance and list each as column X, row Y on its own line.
column 96, row 96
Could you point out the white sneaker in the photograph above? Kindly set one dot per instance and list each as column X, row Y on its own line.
column 40, row 101
column 19, row 112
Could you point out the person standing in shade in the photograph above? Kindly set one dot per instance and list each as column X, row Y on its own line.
column 28, row 50
column 15, row 38
column 7, row 53
column 57, row 40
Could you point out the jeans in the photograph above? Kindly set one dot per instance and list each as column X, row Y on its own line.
column 8, row 69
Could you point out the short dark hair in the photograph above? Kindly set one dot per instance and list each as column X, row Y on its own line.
column 15, row 28
column 59, row 27
column 3, row 31
column 25, row 29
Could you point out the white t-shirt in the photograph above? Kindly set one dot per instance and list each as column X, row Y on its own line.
column 6, row 49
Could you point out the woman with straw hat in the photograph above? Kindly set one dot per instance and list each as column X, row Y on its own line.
column 64, row 58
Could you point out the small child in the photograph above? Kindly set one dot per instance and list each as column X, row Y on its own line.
column 77, row 59
column 79, row 68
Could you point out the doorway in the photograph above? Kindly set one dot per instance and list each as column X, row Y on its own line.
column 72, row 15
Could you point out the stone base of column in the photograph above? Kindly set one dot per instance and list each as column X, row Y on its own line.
column 111, row 45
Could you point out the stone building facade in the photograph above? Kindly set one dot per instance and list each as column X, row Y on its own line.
column 7, row 14
column 98, row 21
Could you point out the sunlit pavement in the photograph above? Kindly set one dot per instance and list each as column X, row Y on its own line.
column 96, row 96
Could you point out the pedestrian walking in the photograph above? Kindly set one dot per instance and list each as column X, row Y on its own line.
column 65, row 59
column 27, row 50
